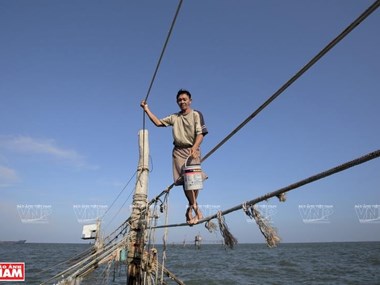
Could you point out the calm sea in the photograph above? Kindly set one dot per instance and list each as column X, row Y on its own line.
column 298, row 263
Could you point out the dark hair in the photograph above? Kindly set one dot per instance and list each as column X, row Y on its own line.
column 183, row 91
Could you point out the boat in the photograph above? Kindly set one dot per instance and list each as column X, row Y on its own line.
column 13, row 241
column 131, row 246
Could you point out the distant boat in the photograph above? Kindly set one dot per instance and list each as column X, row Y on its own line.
column 13, row 241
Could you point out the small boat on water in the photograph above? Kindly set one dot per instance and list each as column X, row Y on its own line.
column 12, row 241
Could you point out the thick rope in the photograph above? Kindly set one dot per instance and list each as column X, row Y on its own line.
column 162, row 55
column 334, row 170
column 159, row 61
column 163, row 49
column 335, row 41
column 279, row 193
column 325, row 50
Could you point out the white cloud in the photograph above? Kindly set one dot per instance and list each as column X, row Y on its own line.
column 24, row 144
column 8, row 177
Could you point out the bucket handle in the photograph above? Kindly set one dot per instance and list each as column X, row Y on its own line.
column 187, row 160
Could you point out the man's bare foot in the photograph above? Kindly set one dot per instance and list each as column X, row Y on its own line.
column 198, row 213
column 189, row 216
column 194, row 221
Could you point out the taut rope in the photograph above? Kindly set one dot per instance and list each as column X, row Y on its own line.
column 331, row 171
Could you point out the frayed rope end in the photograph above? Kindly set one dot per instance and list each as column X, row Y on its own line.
column 210, row 226
column 281, row 197
column 229, row 239
column 269, row 232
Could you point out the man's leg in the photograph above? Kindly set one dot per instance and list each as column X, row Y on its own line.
column 189, row 211
column 191, row 196
column 197, row 211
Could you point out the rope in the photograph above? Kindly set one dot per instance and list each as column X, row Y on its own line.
column 150, row 261
column 152, row 222
column 229, row 239
column 331, row 171
column 324, row 51
column 162, row 55
column 160, row 59
column 126, row 223
column 164, row 48
column 123, row 226
column 118, row 196
column 70, row 260
column 165, row 237
column 269, row 232
column 279, row 193
column 352, row 26
column 85, row 265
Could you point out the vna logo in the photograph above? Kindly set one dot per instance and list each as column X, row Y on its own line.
column 368, row 214
column 316, row 214
column 12, row 271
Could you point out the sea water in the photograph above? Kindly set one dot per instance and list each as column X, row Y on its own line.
column 292, row 263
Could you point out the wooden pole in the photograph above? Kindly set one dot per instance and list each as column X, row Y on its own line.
column 137, row 233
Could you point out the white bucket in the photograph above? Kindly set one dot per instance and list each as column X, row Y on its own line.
column 192, row 176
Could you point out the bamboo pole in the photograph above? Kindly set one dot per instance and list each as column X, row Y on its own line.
column 138, row 225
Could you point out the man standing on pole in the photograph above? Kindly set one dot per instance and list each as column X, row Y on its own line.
column 189, row 130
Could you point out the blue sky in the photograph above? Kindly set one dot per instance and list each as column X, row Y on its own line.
column 72, row 75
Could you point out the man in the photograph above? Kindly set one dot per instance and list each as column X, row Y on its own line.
column 188, row 132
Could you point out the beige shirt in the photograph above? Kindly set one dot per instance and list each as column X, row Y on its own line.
column 185, row 127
